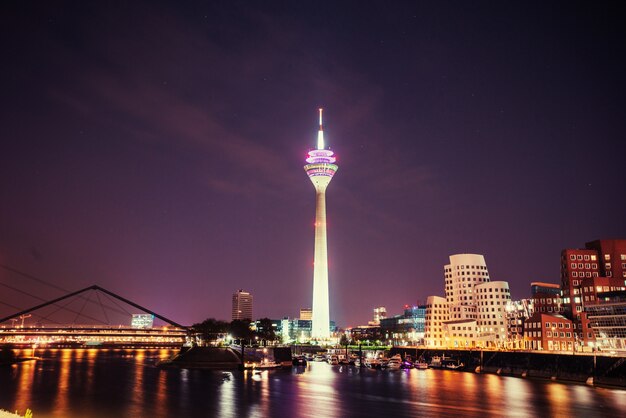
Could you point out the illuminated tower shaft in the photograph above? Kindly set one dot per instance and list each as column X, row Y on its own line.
column 320, row 169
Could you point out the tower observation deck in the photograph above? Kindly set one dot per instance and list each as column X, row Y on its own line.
column 321, row 168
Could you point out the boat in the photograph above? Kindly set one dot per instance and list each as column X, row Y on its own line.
column 394, row 362
column 453, row 365
column 421, row 365
column 436, row 362
column 371, row 363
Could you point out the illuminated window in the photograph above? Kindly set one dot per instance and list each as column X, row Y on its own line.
column 593, row 258
column 607, row 257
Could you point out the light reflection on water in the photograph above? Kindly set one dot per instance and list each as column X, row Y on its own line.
column 126, row 383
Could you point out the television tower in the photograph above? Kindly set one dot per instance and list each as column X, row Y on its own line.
column 320, row 169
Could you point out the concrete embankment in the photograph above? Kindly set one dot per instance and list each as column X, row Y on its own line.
column 603, row 370
column 215, row 358
column 224, row 358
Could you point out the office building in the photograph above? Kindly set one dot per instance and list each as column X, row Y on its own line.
column 242, row 306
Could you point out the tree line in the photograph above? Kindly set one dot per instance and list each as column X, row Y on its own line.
column 211, row 329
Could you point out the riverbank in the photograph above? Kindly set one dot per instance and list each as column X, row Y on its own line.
column 580, row 368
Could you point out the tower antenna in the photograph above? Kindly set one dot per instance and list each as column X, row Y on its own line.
column 320, row 133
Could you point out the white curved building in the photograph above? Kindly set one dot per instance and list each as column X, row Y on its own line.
column 491, row 302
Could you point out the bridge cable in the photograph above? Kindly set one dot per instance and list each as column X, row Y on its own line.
column 43, row 300
column 39, row 280
column 116, row 304
column 81, row 309
column 103, row 311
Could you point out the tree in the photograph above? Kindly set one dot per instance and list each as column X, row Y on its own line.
column 344, row 340
column 210, row 328
column 240, row 329
column 265, row 329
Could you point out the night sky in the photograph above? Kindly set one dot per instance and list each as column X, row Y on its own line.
column 156, row 149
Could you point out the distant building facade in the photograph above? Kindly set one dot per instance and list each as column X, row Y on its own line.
column 306, row 314
column 437, row 312
column 407, row 328
column 585, row 273
column 142, row 321
column 379, row 314
column 552, row 332
column 241, row 305
column 492, row 300
column 607, row 317
column 517, row 312
column 546, row 297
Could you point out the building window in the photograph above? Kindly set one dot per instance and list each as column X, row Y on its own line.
column 607, row 257
column 573, row 265
column 587, row 265
column 580, row 257
column 586, row 256
column 572, row 257
column 580, row 265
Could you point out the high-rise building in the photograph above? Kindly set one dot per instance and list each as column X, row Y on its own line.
column 242, row 305
column 320, row 168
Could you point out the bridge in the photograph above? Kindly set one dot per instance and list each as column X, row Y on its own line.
column 89, row 317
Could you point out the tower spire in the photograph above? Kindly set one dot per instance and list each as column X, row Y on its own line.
column 320, row 133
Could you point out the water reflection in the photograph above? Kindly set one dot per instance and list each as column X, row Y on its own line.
column 558, row 396
column 126, row 383
column 317, row 391
column 63, row 386
column 26, row 373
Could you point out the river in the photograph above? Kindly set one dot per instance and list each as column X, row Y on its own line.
column 126, row 383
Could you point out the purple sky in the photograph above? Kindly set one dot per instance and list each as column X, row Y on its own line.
column 157, row 151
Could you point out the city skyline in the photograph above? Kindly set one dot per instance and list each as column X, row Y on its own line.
column 156, row 150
